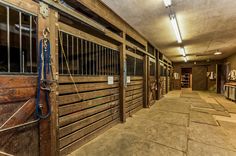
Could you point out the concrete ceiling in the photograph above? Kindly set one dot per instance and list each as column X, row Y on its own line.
column 205, row 25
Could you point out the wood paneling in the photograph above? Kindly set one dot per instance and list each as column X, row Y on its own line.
column 199, row 78
column 82, row 120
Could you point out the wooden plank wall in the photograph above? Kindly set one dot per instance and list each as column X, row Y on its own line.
column 134, row 95
column 82, row 120
column 17, row 106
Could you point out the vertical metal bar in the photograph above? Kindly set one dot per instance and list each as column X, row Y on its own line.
column 110, row 62
column 86, row 59
column 113, row 71
column 62, row 48
column 94, row 59
column 67, row 51
column 89, row 58
column 77, row 52
column 82, row 57
column 8, row 40
column 31, row 44
column 118, row 62
column 96, row 55
column 102, row 59
column 99, row 62
column 72, row 49
column 105, row 62
column 20, row 42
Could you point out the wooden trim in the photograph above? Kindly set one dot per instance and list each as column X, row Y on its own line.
column 131, row 45
column 122, row 83
column 134, row 55
column 83, row 35
column 74, row 14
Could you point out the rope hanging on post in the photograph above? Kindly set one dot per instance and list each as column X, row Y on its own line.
column 44, row 70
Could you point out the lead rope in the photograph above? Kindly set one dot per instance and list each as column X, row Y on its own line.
column 67, row 65
column 43, row 71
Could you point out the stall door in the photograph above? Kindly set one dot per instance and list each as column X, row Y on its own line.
column 18, row 127
column 88, row 88
column 152, row 82
column 135, row 83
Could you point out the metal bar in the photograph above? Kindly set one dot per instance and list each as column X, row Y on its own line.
column 86, row 59
column 72, row 51
column 102, row 60
column 31, row 44
column 89, row 58
column 135, row 66
column 8, row 41
column 62, row 48
column 110, row 64
column 67, row 51
column 99, row 63
column 20, row 41
column 105, row 61
column 77, row 52
column 113, row 64
column 82, row 48
column 96, row 47
column 94, row 59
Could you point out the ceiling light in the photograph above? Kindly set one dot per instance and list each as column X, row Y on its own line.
column 176, row 28
column 183, row 51
column 185, row 59
column 167, row 3
column 218, row 52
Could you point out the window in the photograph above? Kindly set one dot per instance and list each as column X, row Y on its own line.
column 152, row 68
column 134, row 66
column 18, row 37
column 86, row 58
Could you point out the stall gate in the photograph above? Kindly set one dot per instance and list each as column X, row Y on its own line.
column 152, row 82
column 19, row 132
column 134, row 94
column 88, row 88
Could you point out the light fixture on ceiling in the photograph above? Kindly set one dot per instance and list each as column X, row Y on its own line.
column 175, row 26
column 182, row 49
column 185, row 59
column 167, row 3
column 218, row 52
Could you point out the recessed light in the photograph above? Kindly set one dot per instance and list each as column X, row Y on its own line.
column 218, row 53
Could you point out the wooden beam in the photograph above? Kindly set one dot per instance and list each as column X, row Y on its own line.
column 76, row 15
column 145, row 81
column 158, row 73
column 54, row 126
column 122, row 80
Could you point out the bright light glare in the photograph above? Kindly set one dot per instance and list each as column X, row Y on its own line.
column 182, row 51
column 185, row 59
column 176, row 28
column 167, row 3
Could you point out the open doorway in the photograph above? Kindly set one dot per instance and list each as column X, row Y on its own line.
column 186, row 78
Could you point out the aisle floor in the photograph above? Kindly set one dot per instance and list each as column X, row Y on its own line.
column 183, row 123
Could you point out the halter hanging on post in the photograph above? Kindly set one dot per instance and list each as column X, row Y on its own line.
column 44, row 71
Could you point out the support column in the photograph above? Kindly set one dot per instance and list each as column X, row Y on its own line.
column 146, row 81
column 158, row 92
column 122, row 80
column 48, row 128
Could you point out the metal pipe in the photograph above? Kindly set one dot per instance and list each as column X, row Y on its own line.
column 72, row 51
column 62, row 56
column 67, row 51
column 31, row 44
column 20, row 41
column 82, row 48
column 8, row 41
column 77, row 52
column 94, row 59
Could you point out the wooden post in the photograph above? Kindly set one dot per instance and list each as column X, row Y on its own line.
column 122, row 83
column 53, row 96
column 158, row 76
column 48, row 127
column 145, row 82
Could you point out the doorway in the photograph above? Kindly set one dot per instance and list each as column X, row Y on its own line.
column 186, row 78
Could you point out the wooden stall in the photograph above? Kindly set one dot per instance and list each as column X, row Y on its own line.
column 89, row 89
column 134, row 90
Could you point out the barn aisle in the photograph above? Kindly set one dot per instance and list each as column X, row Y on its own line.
column 182, row 123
